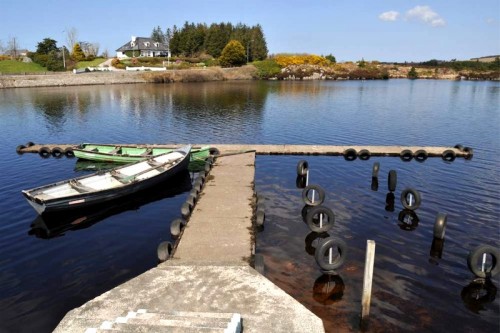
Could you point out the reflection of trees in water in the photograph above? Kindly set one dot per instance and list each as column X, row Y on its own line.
column 62, row 104
column 219, row 99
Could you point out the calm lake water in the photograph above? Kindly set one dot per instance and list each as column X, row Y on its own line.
column 49, row 267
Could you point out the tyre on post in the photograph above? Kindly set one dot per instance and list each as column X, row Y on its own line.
column 330, row 254
column 440, row 225
column 313, row 195
column 392, row 180
column 320, row 219
column 478, row 262
column 410, row 199
column 302, row 168
column 164, row 251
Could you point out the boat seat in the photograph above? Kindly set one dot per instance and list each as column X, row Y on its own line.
column 115, row 151
column 124, row 179
column 75, row 184
column 147, row 152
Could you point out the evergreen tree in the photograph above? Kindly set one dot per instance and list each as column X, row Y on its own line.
column 157, row 35
column 258, row 46
column 233, row 54
column 46, row 46
column 77, row 53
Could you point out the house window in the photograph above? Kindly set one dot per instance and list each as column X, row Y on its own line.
column 146, row 44
column 157, row 44
column 132, row 44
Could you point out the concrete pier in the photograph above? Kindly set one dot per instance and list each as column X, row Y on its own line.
column 208, row 278
column 433, row 151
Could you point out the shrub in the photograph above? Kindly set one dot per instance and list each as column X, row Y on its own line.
column 412, row 74
column 285, row 60
column 267, row 68
column 233, row 54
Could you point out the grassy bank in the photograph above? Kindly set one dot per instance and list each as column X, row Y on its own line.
column 14, row 66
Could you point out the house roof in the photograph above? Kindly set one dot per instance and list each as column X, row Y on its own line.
column 143, row 43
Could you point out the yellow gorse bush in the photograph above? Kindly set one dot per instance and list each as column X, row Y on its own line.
column 285, row 60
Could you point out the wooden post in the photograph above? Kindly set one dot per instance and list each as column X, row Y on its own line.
column 367, row 280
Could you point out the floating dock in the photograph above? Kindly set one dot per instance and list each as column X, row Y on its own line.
column 208, row 280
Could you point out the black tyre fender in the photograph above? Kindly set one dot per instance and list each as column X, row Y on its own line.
column 57, row 152
column 406, row 197
column 440, row 225
column 176, row 227
column 208, row 167
column 193, row 198
column 317, row 214
column 392, row 180
column 300, row 181
column 476, row 254
column 459, row 147
column 315, row 189
column 470, row 153
column 421, row 155
column 322, row 251
column 258, row 263
column 164, row 251
column 69, row 152
column 406, row 155
column 214, row 151
column 364, row 154
column 260, row 217
column 374, row 185
column 302, row 168
column 186, row 210
column 448, row 155
column 29, row 144
column 44, row 152
column 389, row 202
column 19, row 149
column 375, row 169
column 350, row 154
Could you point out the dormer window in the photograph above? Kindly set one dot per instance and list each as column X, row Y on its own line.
column 132, row 44
column 157, row 44
column 146, row 44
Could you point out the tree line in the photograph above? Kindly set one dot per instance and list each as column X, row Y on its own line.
column 193, row 40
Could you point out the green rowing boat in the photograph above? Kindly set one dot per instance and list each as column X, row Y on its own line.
column 131, row 154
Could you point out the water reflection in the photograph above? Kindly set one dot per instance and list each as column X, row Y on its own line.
column 478, row 294
column 437, row 248
column 328, row 289
column 408, row 220
column 389, row 202
column 56, row 224
column 312, row 240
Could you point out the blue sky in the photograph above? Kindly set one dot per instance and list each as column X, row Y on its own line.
column 385, row 30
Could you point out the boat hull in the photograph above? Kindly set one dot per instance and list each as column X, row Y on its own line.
column 129, row 154
column 83, row 200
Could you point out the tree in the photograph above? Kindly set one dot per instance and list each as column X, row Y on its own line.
column 46, row 46
column 362, row 63
column 233, row 54
column 331, row 58
column 13, row 47
column 157, row 35
column 71, row 37
column 77, row 53
column 258, row 46
column 412, row 74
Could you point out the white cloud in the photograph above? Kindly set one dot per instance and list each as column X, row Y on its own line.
column 426, row 15
column 389, row 16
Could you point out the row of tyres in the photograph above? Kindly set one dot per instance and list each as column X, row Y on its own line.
column 330, row 252
column 165, row 249
column 320, row 219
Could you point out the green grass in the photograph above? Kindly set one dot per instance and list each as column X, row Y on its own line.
column 93, row 63
column 13, row 66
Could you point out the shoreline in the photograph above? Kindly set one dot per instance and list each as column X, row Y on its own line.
column 247, row 72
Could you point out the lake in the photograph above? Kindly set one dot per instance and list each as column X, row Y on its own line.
column 50, row 267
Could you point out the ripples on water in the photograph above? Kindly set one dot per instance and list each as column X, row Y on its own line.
column 43, row 278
